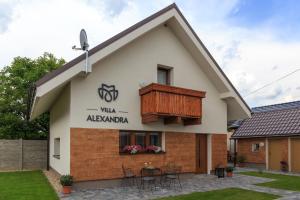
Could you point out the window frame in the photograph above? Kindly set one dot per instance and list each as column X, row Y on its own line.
column 166, row 69
column 56, row 149
column 255, row 147
column 147, row 141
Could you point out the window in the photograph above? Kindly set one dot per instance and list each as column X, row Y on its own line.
column 140, row 139
column 255, row 147
column 155, row 139
column 163, row 76
column 56, row 148
column 145, row 140
column 124, row 139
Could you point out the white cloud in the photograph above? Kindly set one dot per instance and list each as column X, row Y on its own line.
column 251, row 57
column 6, row 10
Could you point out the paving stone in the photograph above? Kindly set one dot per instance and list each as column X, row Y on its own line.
column 198, row 183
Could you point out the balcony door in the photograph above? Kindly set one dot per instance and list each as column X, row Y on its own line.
column 201, row 153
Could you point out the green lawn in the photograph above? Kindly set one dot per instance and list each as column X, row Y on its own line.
column 285, row 182
column 26, row 185
column 225, row 194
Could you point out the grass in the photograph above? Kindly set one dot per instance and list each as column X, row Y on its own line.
column 224, row 194
column 26, row 185
column 285, row 182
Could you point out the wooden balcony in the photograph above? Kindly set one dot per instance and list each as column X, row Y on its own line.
column 173, row 104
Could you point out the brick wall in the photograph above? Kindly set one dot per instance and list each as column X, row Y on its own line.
column 244, row 147
column 219, row 150
column 95, row 154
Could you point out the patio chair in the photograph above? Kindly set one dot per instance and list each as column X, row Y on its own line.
column 129, row 179
column 171, row 175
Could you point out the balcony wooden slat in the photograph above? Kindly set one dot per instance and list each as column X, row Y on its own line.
column 174, row 103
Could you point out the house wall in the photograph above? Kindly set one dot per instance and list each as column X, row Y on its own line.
column 278, row 151
column 244, row 147
column 60, row 128
column 95, row 154
column 219, row 150
column 134, row 66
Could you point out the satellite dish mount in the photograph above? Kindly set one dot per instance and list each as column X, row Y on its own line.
column 84, row 47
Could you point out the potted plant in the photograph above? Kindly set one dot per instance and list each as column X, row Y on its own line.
column 284, row 166
column 241, row 159
column 132, row 149
column 66, row 181
column 229, row 171
column 153, row 149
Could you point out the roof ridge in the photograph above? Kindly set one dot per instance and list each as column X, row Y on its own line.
column 276, row 104
column 277, row 110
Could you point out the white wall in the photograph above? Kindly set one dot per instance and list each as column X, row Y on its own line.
column 60, row 128
column 136, row 64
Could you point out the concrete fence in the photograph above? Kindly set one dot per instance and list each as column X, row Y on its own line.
column 23, row 154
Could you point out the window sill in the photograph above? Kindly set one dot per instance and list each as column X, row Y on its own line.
column 56, row 156
column 143, row 153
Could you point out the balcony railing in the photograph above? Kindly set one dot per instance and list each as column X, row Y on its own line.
column 172, row 104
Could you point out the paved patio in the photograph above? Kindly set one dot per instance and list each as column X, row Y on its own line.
column 198, row 183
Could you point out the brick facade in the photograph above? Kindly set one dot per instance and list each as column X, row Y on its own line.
column 219, row 150
column 244, row 147
column 95, row 154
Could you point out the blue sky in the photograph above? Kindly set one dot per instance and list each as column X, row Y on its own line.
column 254, row 41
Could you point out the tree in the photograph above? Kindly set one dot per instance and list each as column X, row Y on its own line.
column 15, row 82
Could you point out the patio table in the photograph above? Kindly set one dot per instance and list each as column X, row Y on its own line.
column 149, row 174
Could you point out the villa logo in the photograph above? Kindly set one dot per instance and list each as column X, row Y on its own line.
column 108, row 93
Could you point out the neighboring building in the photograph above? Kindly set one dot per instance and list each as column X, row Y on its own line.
column 152, row 84
column 270, row 136
column 232, row 125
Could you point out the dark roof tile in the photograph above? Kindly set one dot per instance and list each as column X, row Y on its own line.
column 280, row 122
column 281, row 106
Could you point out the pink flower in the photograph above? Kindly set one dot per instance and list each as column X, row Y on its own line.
column 132, row 148
column 153, row 148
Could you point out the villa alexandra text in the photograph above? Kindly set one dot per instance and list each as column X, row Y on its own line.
column 109, row 119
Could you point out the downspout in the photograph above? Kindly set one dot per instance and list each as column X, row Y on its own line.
column 48, row 151
column 48, row 147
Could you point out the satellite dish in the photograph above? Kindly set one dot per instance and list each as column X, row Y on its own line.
column 84, row 47
column 83, row 40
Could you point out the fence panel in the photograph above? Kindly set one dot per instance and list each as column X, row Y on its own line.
column 23, row 154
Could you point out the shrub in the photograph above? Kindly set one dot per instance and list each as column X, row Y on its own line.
column 66, row 180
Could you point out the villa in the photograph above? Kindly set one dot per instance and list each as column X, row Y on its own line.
column 152, row 93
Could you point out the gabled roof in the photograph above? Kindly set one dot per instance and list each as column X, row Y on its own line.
column 45, row 89
column 270, row 121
